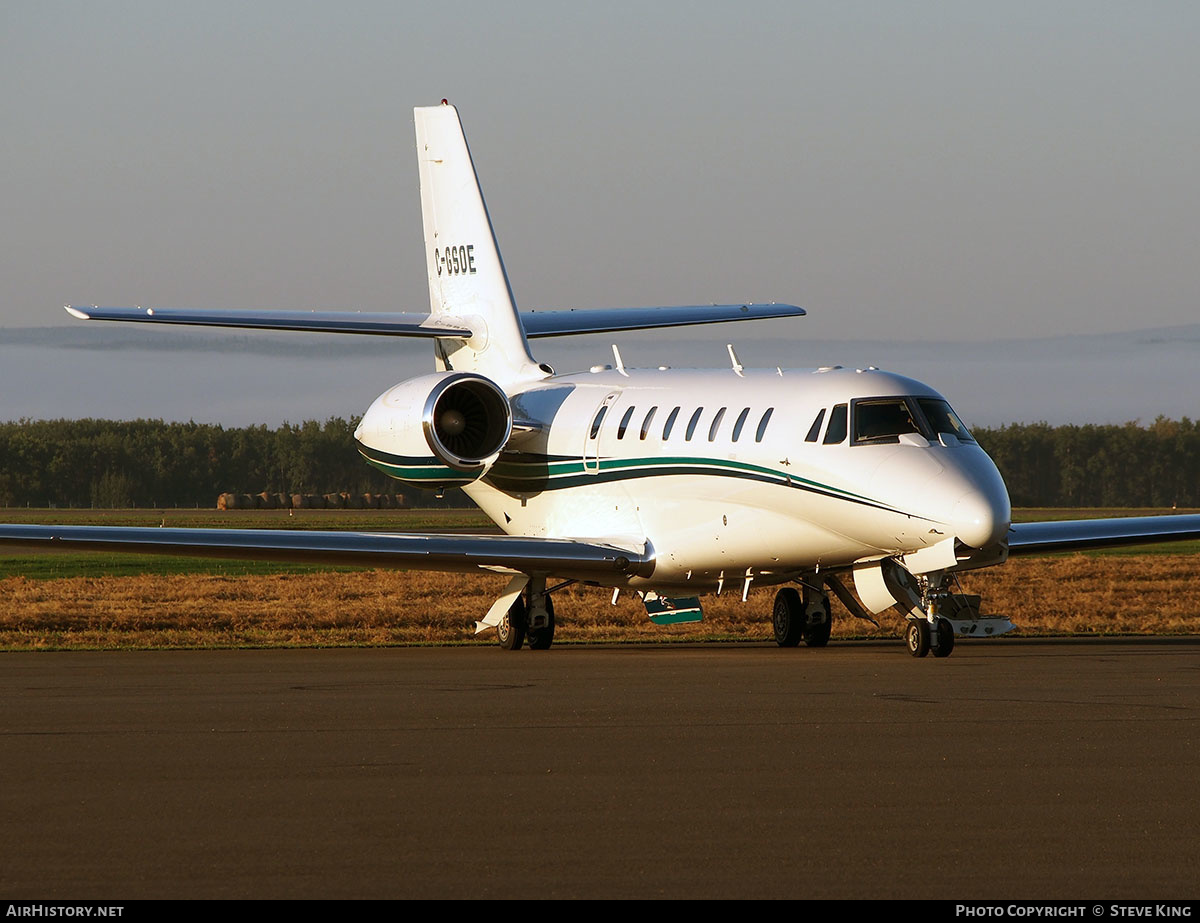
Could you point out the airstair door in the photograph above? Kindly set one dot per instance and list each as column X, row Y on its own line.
column 591, row 448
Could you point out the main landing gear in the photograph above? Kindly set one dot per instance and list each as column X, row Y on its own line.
column 529, row 619
column 806, row 617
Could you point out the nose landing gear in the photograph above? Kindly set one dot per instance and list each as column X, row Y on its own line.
column 923, row 637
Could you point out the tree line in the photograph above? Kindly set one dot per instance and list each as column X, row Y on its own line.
column 144, row 463
column 149, row 463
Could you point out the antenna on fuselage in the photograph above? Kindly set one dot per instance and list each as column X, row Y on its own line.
column 737, row 365
column 618, row 361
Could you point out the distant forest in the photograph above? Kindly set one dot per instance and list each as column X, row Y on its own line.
column 149, row 463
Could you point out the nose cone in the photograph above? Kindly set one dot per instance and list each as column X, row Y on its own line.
column 981, row 517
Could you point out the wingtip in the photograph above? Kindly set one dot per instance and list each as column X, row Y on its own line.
column 77, row 312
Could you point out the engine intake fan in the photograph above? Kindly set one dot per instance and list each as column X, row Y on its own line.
column 467, row 420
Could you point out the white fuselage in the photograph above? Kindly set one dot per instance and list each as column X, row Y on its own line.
column 724, row 502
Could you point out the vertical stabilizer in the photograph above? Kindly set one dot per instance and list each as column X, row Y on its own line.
column 467, row 280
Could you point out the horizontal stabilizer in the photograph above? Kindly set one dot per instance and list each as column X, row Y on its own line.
column 445, row 552
column 1082, row 534
column 603, row 320
column 535, row 323
column 402, row 325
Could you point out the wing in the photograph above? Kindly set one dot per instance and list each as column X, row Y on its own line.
column 602, row 320
column 461, row 553
column 1082, row 534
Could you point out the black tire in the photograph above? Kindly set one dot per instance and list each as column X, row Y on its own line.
column 818, row 635
column 511, row 630
column 788, row 617
column 945, row 639
column 540, row 639
column 916, row 636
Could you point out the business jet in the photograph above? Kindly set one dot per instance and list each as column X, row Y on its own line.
column 671, row 484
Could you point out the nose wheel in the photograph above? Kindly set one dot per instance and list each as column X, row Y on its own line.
column 916, row 636
column 921, row 638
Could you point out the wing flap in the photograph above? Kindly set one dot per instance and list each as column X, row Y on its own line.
column 422, row 551
column 1083, row 534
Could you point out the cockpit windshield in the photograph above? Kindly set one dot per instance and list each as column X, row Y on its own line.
column 881, row 420
column 944, row 420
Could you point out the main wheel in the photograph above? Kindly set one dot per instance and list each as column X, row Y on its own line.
column 511, row 630
column 818, row 635
column 541, row 638
column 788, row 617
column 916, row 636
column 945, row 638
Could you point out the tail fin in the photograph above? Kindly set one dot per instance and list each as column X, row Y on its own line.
column 467, row 280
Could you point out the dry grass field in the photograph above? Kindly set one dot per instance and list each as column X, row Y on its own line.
column 1097, row 594
column 100, row 600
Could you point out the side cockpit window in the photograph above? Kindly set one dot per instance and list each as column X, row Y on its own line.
column 836, row 434
column 814, row 431
column 882, row 420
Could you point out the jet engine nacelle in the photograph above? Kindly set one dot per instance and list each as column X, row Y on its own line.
column 438, row 430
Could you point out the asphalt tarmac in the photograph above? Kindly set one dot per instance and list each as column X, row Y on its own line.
column 1009, row 770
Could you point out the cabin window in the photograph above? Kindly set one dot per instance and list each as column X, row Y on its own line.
column 814, row 431
column 599, row 418
column 741, row 421
column 836, row 433
column 646, row 423
column 762, row 424
column 670, row 424
column 712, row 429
column 944, row 420
column 624, row 423
column 691, row 427
column 883, row 420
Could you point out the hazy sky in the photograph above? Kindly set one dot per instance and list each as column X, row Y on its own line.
column 908, row 169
